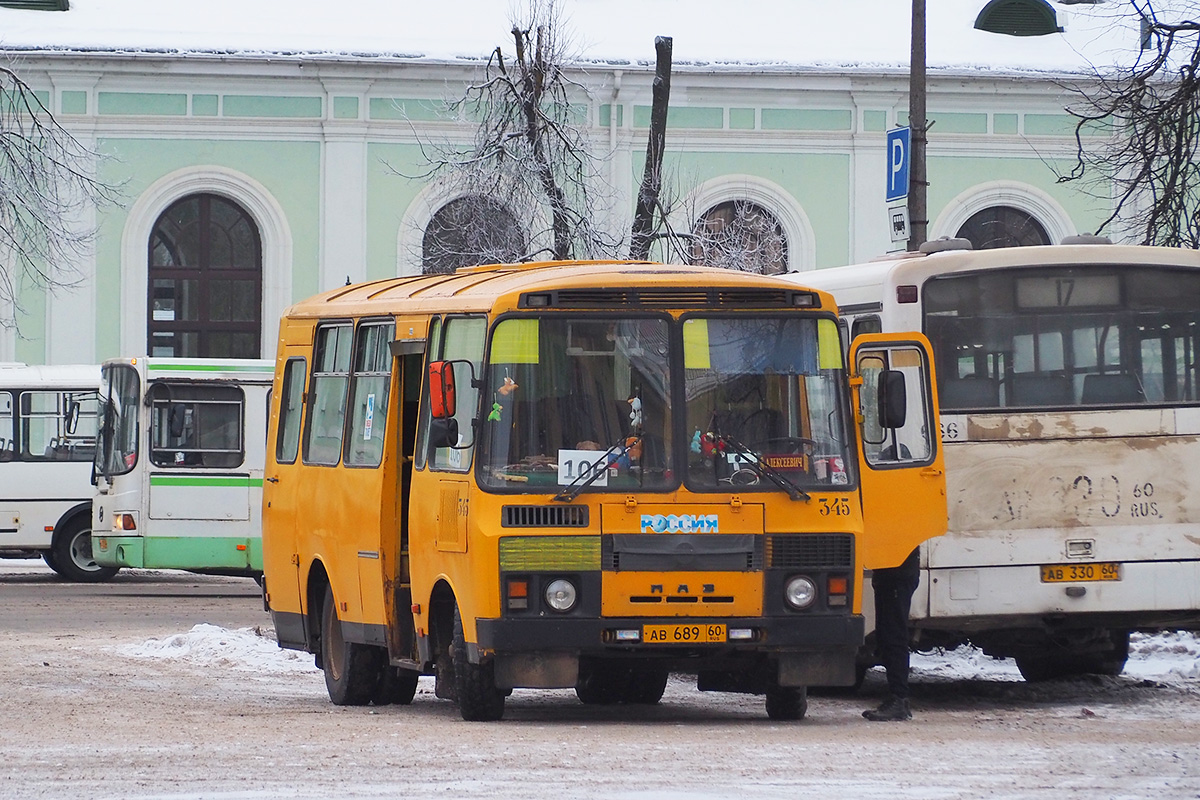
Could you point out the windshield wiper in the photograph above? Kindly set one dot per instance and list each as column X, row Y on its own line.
column 765, row 470
column 599, row 467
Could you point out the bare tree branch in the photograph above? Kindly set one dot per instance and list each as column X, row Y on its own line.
column 1150, row 165
column 47, row 180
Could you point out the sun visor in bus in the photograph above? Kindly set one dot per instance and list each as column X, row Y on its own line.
column 829, row 345
column 695, row 344
column 515, row 342
column 407, row 347
column 730, row 346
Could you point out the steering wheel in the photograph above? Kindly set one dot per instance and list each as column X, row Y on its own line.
column 784, row 444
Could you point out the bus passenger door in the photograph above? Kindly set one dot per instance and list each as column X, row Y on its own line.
column 282, row 496
column 902, row 471
column 409, row 363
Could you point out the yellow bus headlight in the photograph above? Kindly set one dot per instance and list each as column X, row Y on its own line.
column 561, row 595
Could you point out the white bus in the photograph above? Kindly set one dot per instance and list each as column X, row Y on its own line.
column 47, row 440
column 1070, row 412
column 179, row 464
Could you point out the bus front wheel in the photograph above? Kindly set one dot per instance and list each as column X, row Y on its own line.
column 787, row 702
column 352, row 670
column 478, row 698
column 71, row 553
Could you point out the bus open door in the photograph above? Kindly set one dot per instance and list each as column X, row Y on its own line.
column 899, row 446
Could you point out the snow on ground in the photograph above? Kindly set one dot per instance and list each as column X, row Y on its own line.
column 1167, row 658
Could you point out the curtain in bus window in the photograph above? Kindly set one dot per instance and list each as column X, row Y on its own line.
column 369, row 403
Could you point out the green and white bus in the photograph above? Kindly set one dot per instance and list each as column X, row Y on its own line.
column 47, row 442
column 179, row 464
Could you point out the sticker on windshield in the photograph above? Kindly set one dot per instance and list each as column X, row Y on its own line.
column 578, row 466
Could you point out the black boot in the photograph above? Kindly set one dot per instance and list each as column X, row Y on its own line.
column 893, row 709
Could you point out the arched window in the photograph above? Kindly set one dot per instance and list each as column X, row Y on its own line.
column 741, row 235
column 1003, row 226
column 205, row 296
column 468, row 231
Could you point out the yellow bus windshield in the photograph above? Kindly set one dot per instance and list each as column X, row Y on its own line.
column 568, row 397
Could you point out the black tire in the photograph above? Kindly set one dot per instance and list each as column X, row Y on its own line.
column 1067, row 664
column 396, row 686
column 787, row 702
column 601, row 684
column 475, row 684
column 71, row 553
column 352, row 670
column 646, row 686
column 1039, row 668
column 48, row 557
column 1113, row 662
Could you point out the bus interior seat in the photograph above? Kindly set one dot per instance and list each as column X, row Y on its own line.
column 1041, row 390
column 1112, row 388
column 970, row 392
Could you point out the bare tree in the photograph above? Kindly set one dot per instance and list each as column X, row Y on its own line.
column 530, row 152
column 649, row 195
column 46, row 182
column 1150, row 165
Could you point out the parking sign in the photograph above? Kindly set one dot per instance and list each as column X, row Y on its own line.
column 897, row 163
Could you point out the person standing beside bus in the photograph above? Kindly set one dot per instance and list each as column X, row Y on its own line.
column 894, row 589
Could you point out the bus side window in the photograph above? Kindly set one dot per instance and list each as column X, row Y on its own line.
column 369, row 386
column 291, row 399
column 327, row 395
column 861, row 325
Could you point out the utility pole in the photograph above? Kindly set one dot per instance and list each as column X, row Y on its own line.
column 917, row 182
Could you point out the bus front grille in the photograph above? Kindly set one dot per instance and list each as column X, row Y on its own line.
column 544, row 517
column 824, row 550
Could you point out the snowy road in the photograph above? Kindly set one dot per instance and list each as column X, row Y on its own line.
column 145, row 707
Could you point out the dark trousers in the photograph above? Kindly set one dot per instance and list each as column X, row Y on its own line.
column 894, row 589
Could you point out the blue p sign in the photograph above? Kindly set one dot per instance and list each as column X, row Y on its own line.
column 897, row 172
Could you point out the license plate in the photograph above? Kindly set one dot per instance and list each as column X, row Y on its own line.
column 683, row 634
column 1070, row 573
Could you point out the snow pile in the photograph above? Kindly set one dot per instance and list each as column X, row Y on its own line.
column 247, row 649
column 1172, row 658
column 1164, row 656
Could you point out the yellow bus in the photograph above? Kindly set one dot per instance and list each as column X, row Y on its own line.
column 588, row 475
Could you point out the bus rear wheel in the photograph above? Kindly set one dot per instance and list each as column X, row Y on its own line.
column 475, row 684
column 352, row 670
column 1049, row 666
column 396, row 686
column 71, row 553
